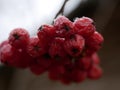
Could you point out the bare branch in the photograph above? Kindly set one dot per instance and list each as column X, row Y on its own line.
column 61, row 11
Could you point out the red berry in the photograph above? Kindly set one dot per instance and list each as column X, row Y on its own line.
column 84, row 63
column 95, row 59
column 78, row 76
column 66, row 78
column 46, row 33
column 88, row 51
column 94, row 41
column 56, row 72
column 36, row 68
column 48, row 29
column 24, row 60
column 61, row 61
column 56, row 48
column 95, row 72
column 3, row 43
column 69, row 67
column 35, row 47
column 84, row 26
column 45, row 61
column 74, row 45
column 13, row 57
column 9, row 55
column 19, row 38
column 63, row 25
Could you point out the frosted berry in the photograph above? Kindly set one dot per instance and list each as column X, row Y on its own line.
column 46, row 33
column 95, row 41
column 84, row 26
column 48, row 29
column 9, row 55
column 4, row 43
column 63, row 25
column 13, row 57
column 35, row 47
column 56, row 48
column 19, row 38
column 74, row 45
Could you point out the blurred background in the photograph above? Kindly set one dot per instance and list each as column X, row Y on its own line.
column 30, row 14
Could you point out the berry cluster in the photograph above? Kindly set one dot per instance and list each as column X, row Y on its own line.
column 66, row 50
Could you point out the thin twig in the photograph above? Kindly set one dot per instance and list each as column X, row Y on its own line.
column 62, row 9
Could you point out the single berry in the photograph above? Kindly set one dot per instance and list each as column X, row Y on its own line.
column 45, row 61
column 74, row 45
column 46, row 34
column 88, row 51
column 56, row 48
column 36, row 68
column 3, row 43
column 35, row 47
column 95, row 72
column 95, row 59
column 48, row 29
column 63, row 25
column 84, row 26
column 19, row 38
column 78, row 76
column 66, row 78
column 9, row 55
column 94, row 41
column 56, row 72
column 84, row 63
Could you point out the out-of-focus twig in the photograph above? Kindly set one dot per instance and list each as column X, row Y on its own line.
column 61, row 11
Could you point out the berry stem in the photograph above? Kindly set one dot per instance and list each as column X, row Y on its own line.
column 62, row 9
